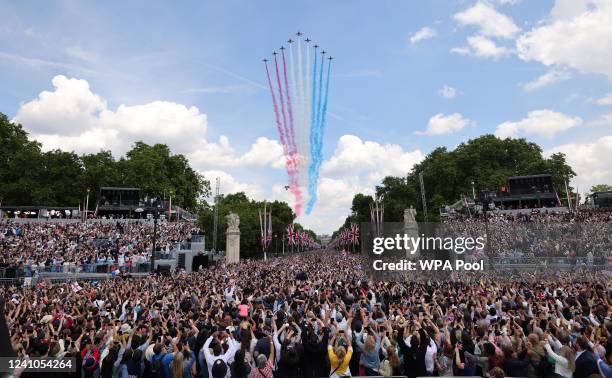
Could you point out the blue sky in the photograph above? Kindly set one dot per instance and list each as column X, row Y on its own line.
column 128, row 61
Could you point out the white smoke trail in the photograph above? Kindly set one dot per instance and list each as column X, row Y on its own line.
column 307, row 119
column 302, row 152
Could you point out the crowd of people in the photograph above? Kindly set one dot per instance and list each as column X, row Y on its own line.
column 317, row 315
column 313, row 314
column 579, row 237
column 28, row 247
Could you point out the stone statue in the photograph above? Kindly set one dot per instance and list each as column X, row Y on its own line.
column 232, row 241
column 233, row 221
column 411, row 228
column 409, row 216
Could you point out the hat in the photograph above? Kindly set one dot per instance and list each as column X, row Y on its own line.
column 219, row 369
column 125, row 328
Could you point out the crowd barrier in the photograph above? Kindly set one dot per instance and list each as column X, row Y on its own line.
column 30, row 271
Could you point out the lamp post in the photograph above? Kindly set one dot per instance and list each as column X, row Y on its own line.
column 155, row 218
column 87, row 204
column 276, row 244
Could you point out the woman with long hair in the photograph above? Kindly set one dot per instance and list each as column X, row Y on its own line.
column 370, row 358
column 392, row 365
column 565, row 360
column 177, row 365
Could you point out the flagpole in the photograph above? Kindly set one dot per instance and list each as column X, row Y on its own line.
column 265, row 240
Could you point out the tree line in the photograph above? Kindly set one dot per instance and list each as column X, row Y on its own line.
column 486, row 161
column 30, row 176
column 248, row 211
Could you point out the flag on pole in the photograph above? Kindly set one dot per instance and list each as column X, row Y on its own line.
column 577, row 198
column 261, row 230
column 354, row 234
column 290, row 234
column 567, row 194
column 269, row 237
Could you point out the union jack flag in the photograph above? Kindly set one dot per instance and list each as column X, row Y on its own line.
column 303, row 238
column 354, row 234
column 344, row 237
column 269, row 236
column 290, row 234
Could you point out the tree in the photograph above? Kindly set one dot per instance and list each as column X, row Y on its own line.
column 157, row 172
column 601, row 188
column 250, row 231
column 29, row 176
column 20, row 163
column 486, row 161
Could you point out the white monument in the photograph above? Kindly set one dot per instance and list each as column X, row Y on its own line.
column 232, row 241
column 411, row 228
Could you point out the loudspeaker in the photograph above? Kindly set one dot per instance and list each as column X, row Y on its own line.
column 164, row 270
column 199, row 260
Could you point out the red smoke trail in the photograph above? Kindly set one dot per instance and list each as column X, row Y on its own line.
column 291, row 133
column 282, row 105
column 290, row 158
column 278, row 121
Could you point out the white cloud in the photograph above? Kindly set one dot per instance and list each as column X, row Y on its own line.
column 552, row 76
column 356, row 166
column 353, row 156
column 603, row 120
column 482, row 47
column 72, row 117
column 543, row 122
column 590, row 161
column 64, row 111
column 447, row 92
column 489, row 21
column 422, row 34
column 578, row 35
column 568, row 9
column 441, row 124
column 605, row 100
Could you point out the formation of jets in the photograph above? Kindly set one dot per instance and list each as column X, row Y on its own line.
column 290, row 41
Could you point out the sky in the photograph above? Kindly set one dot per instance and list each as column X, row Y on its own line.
column 407, row 77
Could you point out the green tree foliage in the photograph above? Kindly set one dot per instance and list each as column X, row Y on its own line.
column 601, row 188
column 486, row 161
column 29, row 176
column 248, row 211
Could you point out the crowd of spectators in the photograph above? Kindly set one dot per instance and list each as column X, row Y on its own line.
column 583, row 236
column 316, row 315
column 34, row 246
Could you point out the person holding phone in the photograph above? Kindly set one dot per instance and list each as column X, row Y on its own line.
column 339, row 357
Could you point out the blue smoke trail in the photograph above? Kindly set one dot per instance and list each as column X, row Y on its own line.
column 315, row 147
column 319, row 143
column 313, row 127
